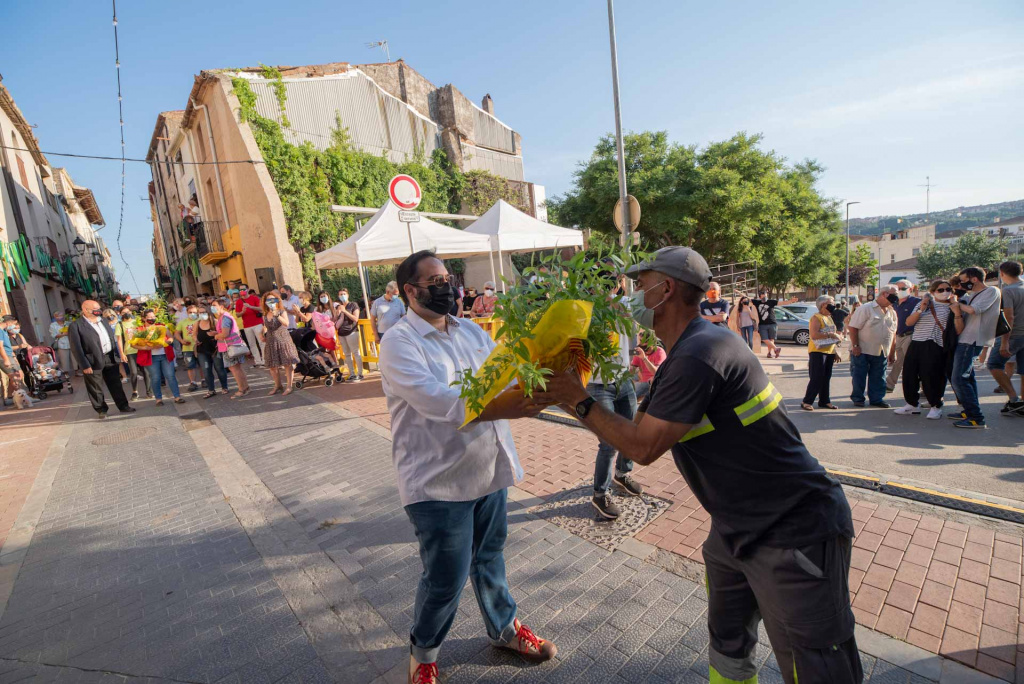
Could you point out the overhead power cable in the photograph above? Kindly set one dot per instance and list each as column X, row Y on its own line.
column 120, row 111
column 130, row 159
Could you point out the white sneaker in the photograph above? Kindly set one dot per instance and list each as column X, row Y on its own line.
column 907, row 410
column 935, row 414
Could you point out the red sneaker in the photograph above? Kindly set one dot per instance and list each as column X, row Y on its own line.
column 423, row 673
column 531, row 647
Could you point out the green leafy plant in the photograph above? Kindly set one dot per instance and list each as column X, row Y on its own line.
column 551, row 279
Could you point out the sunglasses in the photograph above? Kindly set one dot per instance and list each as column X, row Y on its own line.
column 944, row 289
column 437, row 281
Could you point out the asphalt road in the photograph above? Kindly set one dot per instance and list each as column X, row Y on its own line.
column 988, row 461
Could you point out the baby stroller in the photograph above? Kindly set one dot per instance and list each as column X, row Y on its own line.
column 314, row 362
column 37, row 381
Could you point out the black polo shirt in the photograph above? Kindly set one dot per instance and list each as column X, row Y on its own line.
column 743, row 459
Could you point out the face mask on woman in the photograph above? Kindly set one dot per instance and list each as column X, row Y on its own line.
column 215, row 310
column 344, row 299
column 204, row 316
column 831, row 308
column 150, row 321
column 324, row 300
column 14, row 331
column 489, row 292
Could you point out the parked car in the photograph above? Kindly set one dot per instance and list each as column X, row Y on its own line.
column 801, row 309
column 792, row 327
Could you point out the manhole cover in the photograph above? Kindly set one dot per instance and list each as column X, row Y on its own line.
column 124, row 436
column 572, row 511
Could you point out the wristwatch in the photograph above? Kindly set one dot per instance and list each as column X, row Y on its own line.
column 583, row 408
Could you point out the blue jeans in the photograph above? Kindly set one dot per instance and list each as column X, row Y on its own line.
column 460, row 539
column 162, row 368
column 748, row 335
column 964, row 383
column 872, row 370
column 620, row 399
column 210, row 363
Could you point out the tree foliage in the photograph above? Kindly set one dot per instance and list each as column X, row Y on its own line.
column 863, row 267
column 970, row 249
column 731, row 201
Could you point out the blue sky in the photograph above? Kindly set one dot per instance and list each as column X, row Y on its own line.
column 883, row 93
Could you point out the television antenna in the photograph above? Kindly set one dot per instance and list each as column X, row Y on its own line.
column 927, row 196
column 383, row 45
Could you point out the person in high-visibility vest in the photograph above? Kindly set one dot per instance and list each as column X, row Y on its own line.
column 781, row 530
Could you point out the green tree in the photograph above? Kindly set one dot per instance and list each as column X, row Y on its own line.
column 863, row 267
column 731, row 201
column 970, row 249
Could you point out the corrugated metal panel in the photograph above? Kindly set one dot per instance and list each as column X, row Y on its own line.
column 498, row 163
column 376, row 121
column 491, row 133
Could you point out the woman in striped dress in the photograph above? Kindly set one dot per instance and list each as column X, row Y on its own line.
column 926, row 359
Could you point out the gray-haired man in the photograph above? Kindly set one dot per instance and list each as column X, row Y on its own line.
column 872, row 328
column 386, row 311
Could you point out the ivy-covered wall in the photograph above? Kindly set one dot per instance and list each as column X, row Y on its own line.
column 309, row 181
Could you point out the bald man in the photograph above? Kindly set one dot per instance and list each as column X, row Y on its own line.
column 95, row 348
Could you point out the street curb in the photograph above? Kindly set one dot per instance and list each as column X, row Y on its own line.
column 20, row 537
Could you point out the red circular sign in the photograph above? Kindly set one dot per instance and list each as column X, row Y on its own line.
column 405, row 192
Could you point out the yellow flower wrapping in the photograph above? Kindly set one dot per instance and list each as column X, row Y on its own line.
column 556, row 343
column 151, row 338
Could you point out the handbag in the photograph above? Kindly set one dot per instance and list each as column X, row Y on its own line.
column 236, row 350
column 1002, row 325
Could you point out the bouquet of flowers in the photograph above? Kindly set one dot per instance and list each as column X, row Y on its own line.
column 564, row 315
column 153, row 337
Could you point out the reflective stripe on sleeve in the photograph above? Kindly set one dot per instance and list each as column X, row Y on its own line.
column 760, row 406
column 701, row 428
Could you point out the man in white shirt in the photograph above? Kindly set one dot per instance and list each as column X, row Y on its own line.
column 386, row 311
column 453, row 483
column 975, row 320
column 95, row 348
column 872, row 328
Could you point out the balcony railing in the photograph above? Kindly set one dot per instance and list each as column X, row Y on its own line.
column 210, row 242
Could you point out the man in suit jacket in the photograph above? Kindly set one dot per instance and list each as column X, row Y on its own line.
column 95, row 347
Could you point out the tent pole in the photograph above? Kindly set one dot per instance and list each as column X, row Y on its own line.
column 501, row 267
column 490, row 257
column 362, row 284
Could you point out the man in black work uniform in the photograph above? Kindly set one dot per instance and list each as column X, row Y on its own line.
column 781, row 531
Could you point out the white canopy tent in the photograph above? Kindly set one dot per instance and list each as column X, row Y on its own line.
column 385, row 239
column 511, row 230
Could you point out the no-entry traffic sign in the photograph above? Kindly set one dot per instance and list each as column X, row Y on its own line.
column 405, row 192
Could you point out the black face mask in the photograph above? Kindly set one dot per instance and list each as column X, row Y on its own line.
column 97, row 312
column 744, row 302
column 893, row 299
column 960, row 292
column 831, row 308
column 436, row 299
column 968, row 285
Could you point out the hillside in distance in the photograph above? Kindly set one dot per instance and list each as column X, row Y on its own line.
column 947, row 219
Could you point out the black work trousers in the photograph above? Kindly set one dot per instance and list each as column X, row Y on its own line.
column 925, row 367
column 819, row 366
column 802, row 594
column 111, row 377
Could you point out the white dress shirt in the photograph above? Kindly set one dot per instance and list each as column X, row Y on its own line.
column 876, row 328
column 435, row 460
column 101, row 329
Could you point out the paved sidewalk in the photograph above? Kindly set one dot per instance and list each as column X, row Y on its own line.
column 263, row 540
column 949, row 583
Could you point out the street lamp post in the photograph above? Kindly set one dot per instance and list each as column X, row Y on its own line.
column 848, row 248
column 627, row 219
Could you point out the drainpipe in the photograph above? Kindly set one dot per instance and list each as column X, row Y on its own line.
column 216, row 166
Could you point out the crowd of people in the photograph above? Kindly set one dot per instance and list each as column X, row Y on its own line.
column 924, row 341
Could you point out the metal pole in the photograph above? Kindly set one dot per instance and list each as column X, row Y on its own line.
column 848, row 246
column 627, row 223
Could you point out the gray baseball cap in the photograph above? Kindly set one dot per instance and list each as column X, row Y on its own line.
column 681, row 263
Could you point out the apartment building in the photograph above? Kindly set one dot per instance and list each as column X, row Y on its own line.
column 387, row 109
column 51, row 256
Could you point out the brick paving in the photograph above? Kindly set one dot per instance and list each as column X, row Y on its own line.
column 139, row 567
column 942, row 585
column 25, row 436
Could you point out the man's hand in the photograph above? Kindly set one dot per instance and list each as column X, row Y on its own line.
column 640, row 353
column 87, row 371
column 512, row 404
column 566, row 389
column 855, row 350
column 1004, row 350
